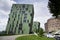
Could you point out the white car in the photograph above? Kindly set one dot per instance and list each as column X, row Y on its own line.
column 50, row 35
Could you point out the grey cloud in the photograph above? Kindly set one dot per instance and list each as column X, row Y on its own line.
column 29, row 1
column 5, row 8
column 6, row 5
column 3, row 16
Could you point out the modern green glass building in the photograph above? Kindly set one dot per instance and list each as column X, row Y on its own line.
column 20, row 19
column 36, row 26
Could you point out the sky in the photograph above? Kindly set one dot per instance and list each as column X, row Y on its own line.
column 41, row 11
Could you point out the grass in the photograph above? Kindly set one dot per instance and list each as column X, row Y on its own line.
column 33, row 37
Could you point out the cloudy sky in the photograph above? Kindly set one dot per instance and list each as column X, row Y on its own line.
column 41, row 12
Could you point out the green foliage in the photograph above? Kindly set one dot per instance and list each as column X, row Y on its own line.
column 41, row 32
column 54, row 7
column 33, row 37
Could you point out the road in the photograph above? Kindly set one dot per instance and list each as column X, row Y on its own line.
column 11, row 37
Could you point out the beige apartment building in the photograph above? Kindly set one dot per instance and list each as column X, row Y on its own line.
column 52, row 25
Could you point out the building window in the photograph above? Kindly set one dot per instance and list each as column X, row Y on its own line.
column 34, row 25
column 20, row 26
column 11, row 11
column 24, row 20
column 22, row 31
column 29, row 25
column 15, row 30
column 31, row 15
column 23, row 6
column 14, row 19
column 17, row 22
column 28, row 21
column 26, row 9
column 18, row 31
column 23, row 12
column 9, row 19
column 14, row 4
column 25, row 17
column 13, row 24
column 10, row 25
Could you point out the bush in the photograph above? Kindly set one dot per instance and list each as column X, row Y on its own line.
column 41, row 32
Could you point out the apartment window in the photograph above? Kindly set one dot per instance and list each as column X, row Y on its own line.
column 9, row 19
column 31, row 15
column 25, row 17
column 18, row 16
column 20, row 26
column 14, row 19
column 15, row 30
column 23, row 12
column 26, row 9
column 11, row 10
column 34, row 25
column 23, row 6
column 24, row 20
column 10, row 25
column 22, row 31
column 29, row 24
column 28, row 21
column 17, row 22
column 18, row 31
column 13, row 25
column 15, row 4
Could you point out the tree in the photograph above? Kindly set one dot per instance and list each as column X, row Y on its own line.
column 54, row 7
column 41, row 32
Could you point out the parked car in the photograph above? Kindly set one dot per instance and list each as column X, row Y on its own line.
column 57, row 36
column 49, row 35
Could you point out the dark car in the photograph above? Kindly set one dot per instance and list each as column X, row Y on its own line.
column 57, row 36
